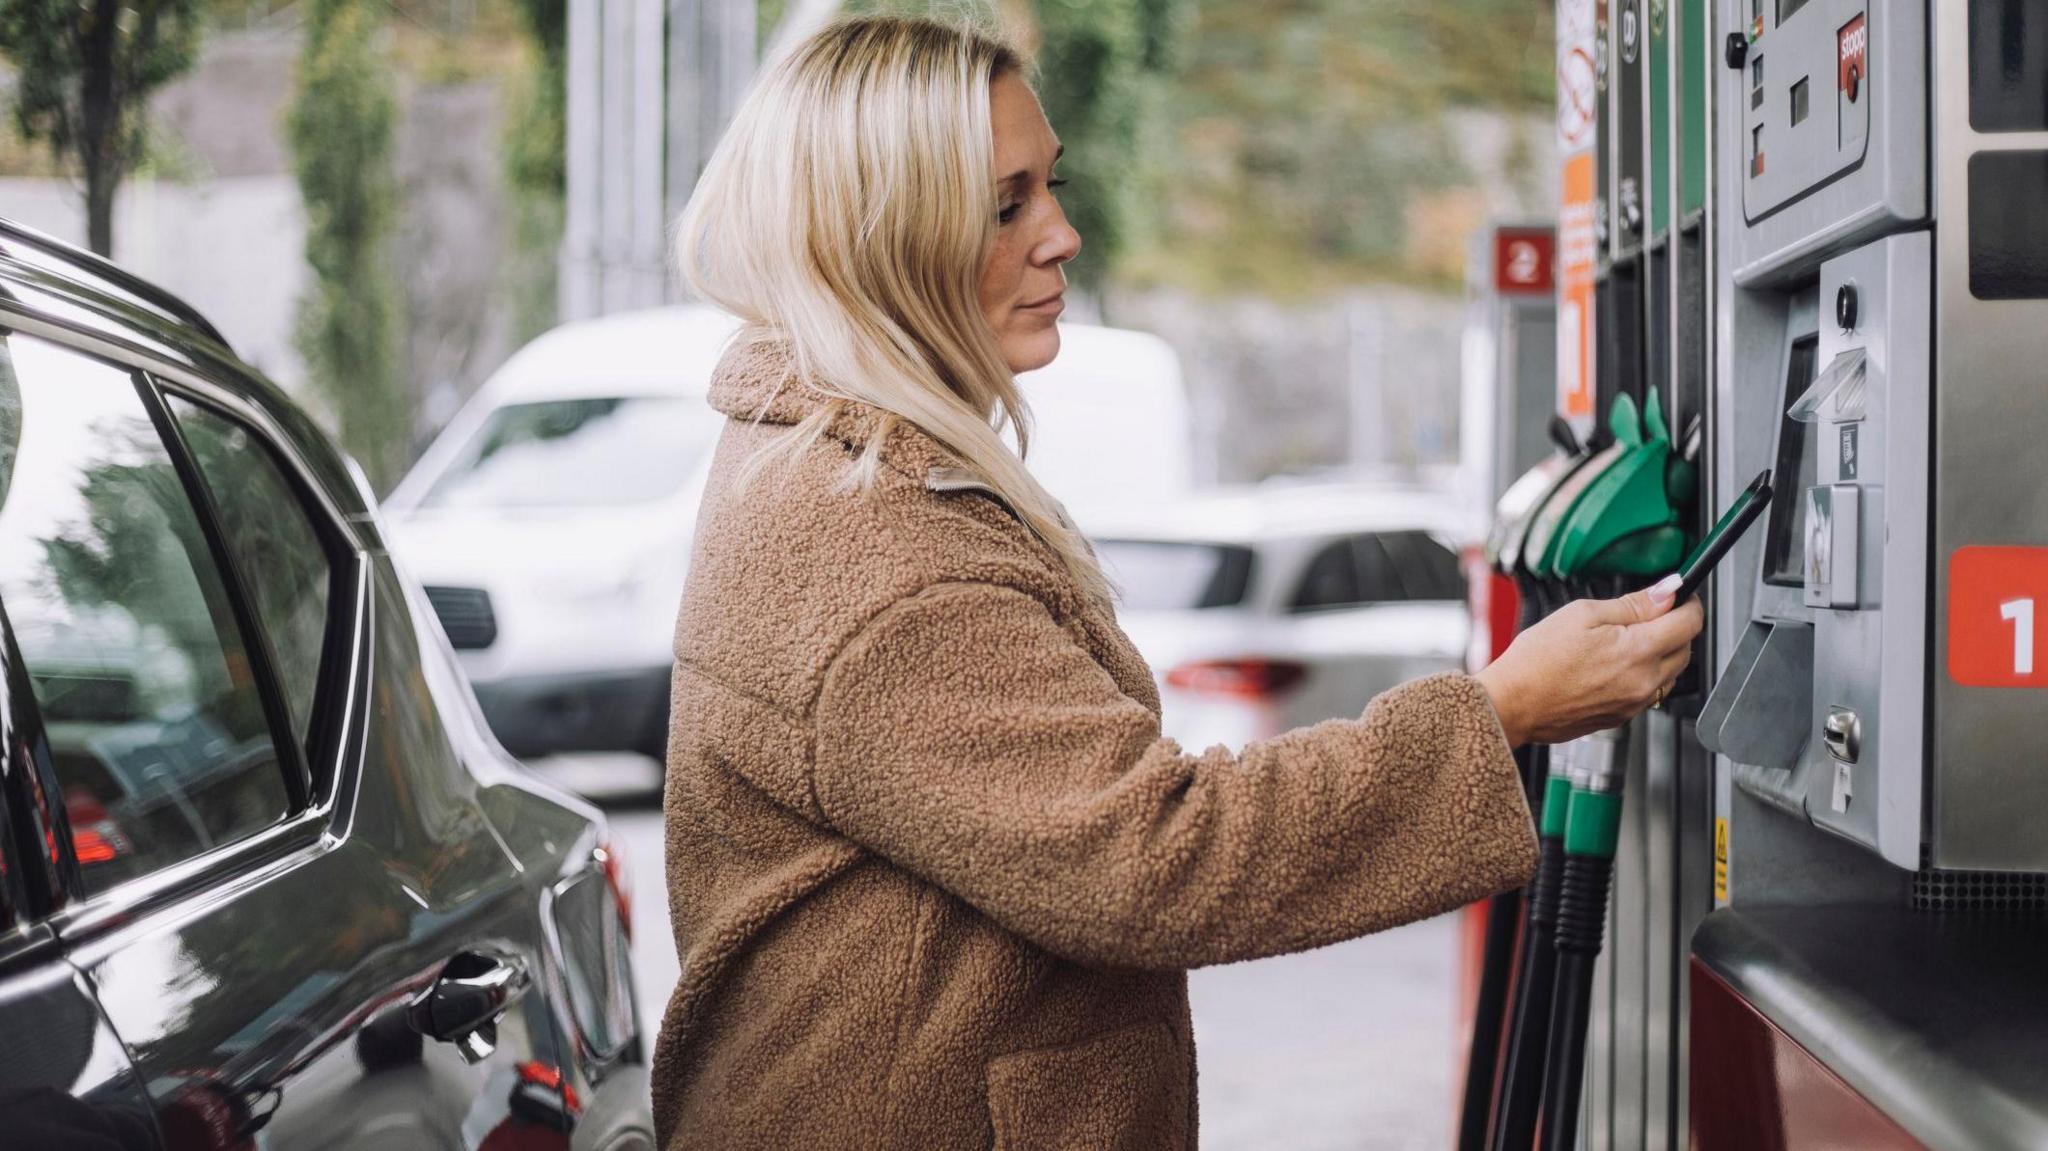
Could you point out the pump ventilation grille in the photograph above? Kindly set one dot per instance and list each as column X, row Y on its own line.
column 1935, row 889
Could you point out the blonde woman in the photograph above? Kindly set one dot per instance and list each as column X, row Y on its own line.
column 936, row 878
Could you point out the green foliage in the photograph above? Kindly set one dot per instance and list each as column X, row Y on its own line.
column 536, row 172
column 1305, row 132
column 85, row 70
column 341, row 128
column 1101, row 67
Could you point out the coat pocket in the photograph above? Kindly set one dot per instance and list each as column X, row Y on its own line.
column 1125, row 1089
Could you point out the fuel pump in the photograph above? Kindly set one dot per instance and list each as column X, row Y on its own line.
column 1849, row 290
column 1878, row 718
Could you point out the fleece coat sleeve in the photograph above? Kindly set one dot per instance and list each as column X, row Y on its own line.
column 966, row 736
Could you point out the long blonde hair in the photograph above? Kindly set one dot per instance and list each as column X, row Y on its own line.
column 847, row 214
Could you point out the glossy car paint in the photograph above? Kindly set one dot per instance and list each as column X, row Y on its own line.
column 256, row 995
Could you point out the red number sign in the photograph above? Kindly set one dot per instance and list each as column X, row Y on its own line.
column 1522, row 260
column 1994, row 598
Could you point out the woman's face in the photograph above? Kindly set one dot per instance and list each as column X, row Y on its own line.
column 1022, row 285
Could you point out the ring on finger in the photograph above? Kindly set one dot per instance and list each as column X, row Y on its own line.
column 1663, row 689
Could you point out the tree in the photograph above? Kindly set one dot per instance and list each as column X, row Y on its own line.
column 86, row 71
column 1304, row 135
column 536, row 163
column 1103, row 66
column 342, row 127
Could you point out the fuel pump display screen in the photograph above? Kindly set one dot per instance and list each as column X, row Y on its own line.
column 1798, row 444
column 1787, row 7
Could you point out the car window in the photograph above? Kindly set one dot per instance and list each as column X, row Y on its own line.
column 157, row 731
column 1331, row 579
column 1426, row 569
column 283, row 562
column 1379, row 581
column 1383, row 567
column 568, row 453
column 1173, row 576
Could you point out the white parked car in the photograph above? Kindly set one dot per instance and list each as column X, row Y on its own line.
column 551, row 520
column 1265, row 608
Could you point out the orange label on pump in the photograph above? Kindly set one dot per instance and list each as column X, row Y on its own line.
column 1995, row 595
column 1577, row 251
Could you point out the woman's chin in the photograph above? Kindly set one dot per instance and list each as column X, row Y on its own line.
column 1029, row 351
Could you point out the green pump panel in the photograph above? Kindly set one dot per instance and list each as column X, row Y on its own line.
column 1693, row 55
column 1657, row 171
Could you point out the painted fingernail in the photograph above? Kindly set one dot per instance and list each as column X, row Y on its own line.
column 1666, row 588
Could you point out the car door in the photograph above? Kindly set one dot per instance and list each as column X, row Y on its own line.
column 275, row 872
column 65, row 1082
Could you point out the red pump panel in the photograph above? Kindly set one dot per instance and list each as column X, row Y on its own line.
column 1756, row 1089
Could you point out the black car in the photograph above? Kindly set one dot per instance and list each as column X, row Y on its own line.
column 266, row 880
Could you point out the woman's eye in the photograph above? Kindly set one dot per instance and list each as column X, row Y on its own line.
column 1007, row 213
column 1055, row 183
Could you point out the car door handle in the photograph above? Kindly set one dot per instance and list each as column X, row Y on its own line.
column 464, row 1003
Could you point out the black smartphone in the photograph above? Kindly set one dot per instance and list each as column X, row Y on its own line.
column 1745, row 511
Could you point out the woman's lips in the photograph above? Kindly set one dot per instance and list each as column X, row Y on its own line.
column 1051, row 305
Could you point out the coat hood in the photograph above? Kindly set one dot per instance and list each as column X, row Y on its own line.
column 757, row 381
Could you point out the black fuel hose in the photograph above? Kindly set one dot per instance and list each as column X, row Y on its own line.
column 1581, row 922
column 1521, row 1093
column 1503, row 917
column 1494, row 1003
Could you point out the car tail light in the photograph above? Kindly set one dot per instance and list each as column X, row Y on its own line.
column 95, row 837
column 1238, row 678
column 546, row 1075
column 91, row 847
column 615, row 878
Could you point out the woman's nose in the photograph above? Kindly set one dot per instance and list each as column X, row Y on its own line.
column 1060, row 242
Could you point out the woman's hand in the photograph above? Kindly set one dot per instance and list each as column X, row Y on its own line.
column 1593, row 665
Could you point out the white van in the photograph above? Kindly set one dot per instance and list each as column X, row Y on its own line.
column 1110, row 426
column 551, row 520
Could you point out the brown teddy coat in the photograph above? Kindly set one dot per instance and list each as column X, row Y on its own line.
column 935, row 876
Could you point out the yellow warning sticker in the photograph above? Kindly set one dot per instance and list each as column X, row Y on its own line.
column 1720, row 859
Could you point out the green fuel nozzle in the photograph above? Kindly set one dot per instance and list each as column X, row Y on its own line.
column 1626, row 522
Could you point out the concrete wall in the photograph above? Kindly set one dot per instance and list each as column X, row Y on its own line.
column 1366, row 380
column 233, row 248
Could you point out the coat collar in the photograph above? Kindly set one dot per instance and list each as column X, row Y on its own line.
column 757, row 381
